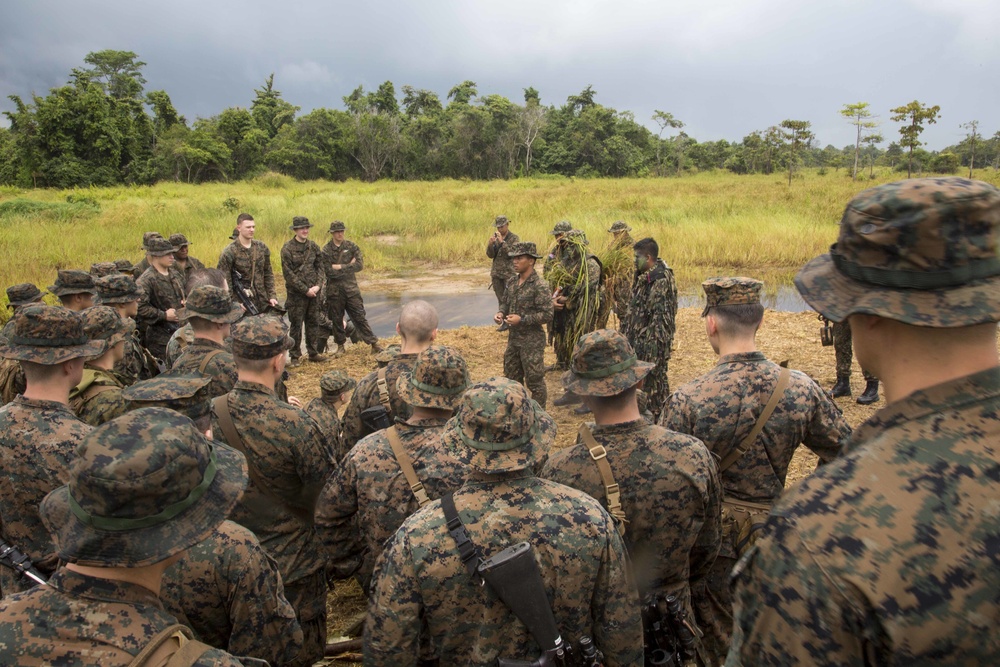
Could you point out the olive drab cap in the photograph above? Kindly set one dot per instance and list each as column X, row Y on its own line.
column 22, row 294
column 500, row 221
column 72, row 281
column 147, row 236
column 524, row 248
column 619, row 226
column 725, row 291
column 49, row 335
column 924, row 252
column 562, row 227
column 104, row 323
column 178, row 241
column 604, row 364
column 337, row 226
column 119, row 288
column 498, row 428
column 300, row 222
column 101, row 269
column 439, row 378
column 260, row 337
column 124, row 266
column 159, row 248
column 183, row 391
column 210, row 303
column 142, row 488
column 336, row 382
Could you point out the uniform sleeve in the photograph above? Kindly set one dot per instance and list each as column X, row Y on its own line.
column 615, row 607
column 509, row 287
column 540, row 311
column 828, row 431
column 226, row 262
column 709, row 540
column 359, row 265
column 395, row 609
column 318, row 264
column 676, row 415
column 351, row 427
column 292, row 278
column 335, row 512
column 492, row 247
column 148, row 313
column 316, row 462
column 269, row 275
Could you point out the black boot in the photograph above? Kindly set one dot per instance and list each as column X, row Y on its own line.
column 569, row 398
column 843, row 386
column 871, row 393
column 582, row 409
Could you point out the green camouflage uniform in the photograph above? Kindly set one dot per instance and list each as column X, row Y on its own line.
column 650, row 328
column 12, row 380
column 302, row 267
column 366, row 396
column 501, row 270
column 523, row 360
column 190, row 263
column 221, row 367
column 423, row 595
column 324, row 411
column 888, row 555
column 342, row 291
column 254, row 264
column 179, row 340
column 95, row 406
column 229, row 591
column 137, row 363
column 160, row 293
column 844, row 350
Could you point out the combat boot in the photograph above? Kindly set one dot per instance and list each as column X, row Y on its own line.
column 569, row 398
column 843, row 386
column 376, row 348
column 581, row 410
column 871, row 393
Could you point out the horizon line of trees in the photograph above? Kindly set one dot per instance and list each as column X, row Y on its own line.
column 103, row 128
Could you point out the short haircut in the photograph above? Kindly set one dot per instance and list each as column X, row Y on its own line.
column 648, row 246
column 253, row 365
column 201, row 277
column 200, row 324
column 35, row 372
column 617, row 401
column 243, row 217
column 738, row 319
column 417, row 321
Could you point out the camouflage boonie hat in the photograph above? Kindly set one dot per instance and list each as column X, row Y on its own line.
column 142, row 488
column 300, row 222
column 183, row 391
column 124, row 266
column 562, row 227
column 147, row 236
column 724, row 291
column 500, row 221
column 619, row 226
column 101, row 269
column 49, row 335
column 22, row 294
column 924, row 252
column 604, row 364
column 104, row 323
column 159, row 248
column 337, row 226
column 388, row 354
column 72, row 281
column 178, row 241
column 498, row 428
column 119, row 288
column 439, row 378
column 260, row 337
column 210, row 303
column 336, row 382
column 524, row 248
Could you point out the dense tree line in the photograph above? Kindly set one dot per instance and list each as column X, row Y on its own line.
column 103, row 128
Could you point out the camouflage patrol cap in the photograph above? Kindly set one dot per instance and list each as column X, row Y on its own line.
column 178, row 241
column 124, row 266
column 604, row 364
column 260, row 337
column 119, row 288
column 562, row 227
column 387, row 355
column 500, row 221
column 159, row 248
column 146, row 236
column 142, row 488
column 104, row 323
column 725, row 291
column 924, row 252
column 619, row 226
column 72, row 281
column 438, row 379
column 22, row 294
column 498, row 428
column 101, row 269
column 524, row 248
column 337, row 226
column 184, row 391
column 300, row 222
column 210, row 303
column 49, row 335
column 336, row 382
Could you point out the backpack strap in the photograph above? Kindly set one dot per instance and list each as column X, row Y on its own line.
column 612, row 492
column 772, row 402
column 467, row 549
column 403, row 459
column 207, row 359
column 383, row 390
column 174, row 646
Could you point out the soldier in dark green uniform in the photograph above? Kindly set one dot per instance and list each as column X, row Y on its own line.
column 498, row 249
column 97, row 398
column 252, row 259
column 342, row 261
column 211, row 312
column 12, row 380
column 334, row 387
column 302, row 267
column 184, row 264
column 121, row 293
column 140, row 267
column 162, row 297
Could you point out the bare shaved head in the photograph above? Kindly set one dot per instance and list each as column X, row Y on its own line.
column 418, row 322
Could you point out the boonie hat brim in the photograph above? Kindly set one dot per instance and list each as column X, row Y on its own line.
column 531, row 454
column 50, row 355
column 610, row 385
column 233, row 314
column 417, row 398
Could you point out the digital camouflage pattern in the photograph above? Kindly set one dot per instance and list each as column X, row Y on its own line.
column 117, row 288
column 86, row 622
column 211, row 303
column 102, row 269
column 178, row 341
column 498, row 250
column 49, row 335
column 221, row 367
column 388, row 354
column 323, row 411
column 38, row 441
column 423, row 594
column 844, row 350
column 254, row 264
column 183, row 392
column 439, row 378
column 160, row 293
column 887, row 555
column 137, row 363
column 229, row 591
column 124, row 266
column 72, row 281
column 260, row 337
column 523, row 359
column 22, row 294
column 342, row 291
column 561, row 227
column 98, row 397
column 367, row 498
column 302, row 267
column 336, row 382
column 650, row 328
column 604, row 364
column 366, row 396
column 731, row 291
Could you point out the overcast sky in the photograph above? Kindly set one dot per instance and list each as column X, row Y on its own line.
column 723, row 67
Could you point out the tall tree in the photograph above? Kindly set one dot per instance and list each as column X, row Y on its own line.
column 973, row 127
column 531, row 120
column 269, row 111
column 118, row 72
column 872, row 140
column 915, row 115
column 798, row 135
column 860, row 117
column 462, row 94
column 664, row 120
column 420, row 102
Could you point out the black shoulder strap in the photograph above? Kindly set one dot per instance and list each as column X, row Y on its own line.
column 467, row 549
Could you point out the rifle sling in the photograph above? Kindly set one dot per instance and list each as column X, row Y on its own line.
column 207, row 359
column 467, row 549
column 612, row 492
column 383, row 390
column 772, row 402
column 220, row 407
column 403, row 459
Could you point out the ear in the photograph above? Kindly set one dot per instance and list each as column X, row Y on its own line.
column 434, row 335
column 711, row 325
column 397, row 330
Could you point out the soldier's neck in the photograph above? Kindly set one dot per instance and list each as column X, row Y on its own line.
column 149, row 577
column 48, row 391
column 246, row 243
column 105, row 362
column 604, row 416
column 729, row 346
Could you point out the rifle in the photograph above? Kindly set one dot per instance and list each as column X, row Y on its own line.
column 13, row 558
column 242, row 293
column 670, row 640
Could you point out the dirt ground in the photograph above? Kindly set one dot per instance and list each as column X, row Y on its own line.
column 791, row 336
